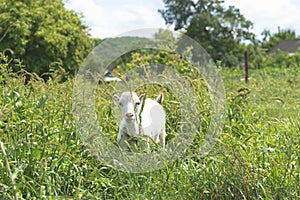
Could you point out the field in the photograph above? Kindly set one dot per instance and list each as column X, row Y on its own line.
column 256, row 156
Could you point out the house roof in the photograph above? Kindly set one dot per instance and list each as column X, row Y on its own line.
column 290, row 46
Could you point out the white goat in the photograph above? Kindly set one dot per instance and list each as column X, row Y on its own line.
column 152, row 121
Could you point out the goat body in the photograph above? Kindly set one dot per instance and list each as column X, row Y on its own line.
column 151, row 124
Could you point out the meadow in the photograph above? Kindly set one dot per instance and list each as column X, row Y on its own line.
column 256, row 156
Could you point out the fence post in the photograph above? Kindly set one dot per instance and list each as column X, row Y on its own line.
column 246, row 67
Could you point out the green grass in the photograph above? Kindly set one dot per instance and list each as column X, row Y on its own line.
column 256, row 157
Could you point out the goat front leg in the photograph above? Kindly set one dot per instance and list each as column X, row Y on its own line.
column 122, row 138
column 126, row 142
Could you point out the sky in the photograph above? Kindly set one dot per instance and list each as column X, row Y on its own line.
column 110, row 18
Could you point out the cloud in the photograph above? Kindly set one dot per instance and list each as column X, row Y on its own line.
column 269, row 14
column 111, row 19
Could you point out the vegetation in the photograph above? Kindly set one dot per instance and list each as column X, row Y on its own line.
column 44, row 34
column 256, row 157
column 270, row 41
column 219, row 30
column 42, row 155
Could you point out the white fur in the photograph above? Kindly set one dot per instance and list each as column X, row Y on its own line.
column 153, row 118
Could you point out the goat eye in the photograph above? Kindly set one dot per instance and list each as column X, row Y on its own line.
column 120, row 104
column 138, row 103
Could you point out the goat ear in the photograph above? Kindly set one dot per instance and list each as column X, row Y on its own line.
column 116, row 97
column 160, row 98
column 141, row 97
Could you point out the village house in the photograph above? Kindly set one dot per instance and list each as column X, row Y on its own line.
column 289, row 46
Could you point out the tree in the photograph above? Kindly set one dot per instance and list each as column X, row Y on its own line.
column 269, row 40
column 221, row 31
column 43, row 34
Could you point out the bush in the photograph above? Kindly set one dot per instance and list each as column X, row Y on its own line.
column 44, row 34
column 282, row 60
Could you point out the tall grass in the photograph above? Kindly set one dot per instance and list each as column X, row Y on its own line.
column 256, row 157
